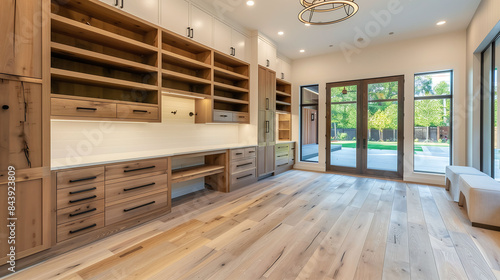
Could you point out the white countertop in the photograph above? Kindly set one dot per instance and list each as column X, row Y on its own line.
column 85, row 161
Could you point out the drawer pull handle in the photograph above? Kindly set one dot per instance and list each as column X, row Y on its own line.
column 139, row 169
column 251, row 152
column 139, row 187
column 241, row 117
column 81, row 213
column 239, row 178
column 82, row 191
column 240, row 165
column 140, row 111
column 84, row 228
column 83, row 179
column 239, row 154
column 86, row 109
column 140, row 206
column 223, row 116
column 282, row 164
column 82, row 199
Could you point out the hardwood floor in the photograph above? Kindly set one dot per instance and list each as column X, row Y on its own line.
column 298, row 225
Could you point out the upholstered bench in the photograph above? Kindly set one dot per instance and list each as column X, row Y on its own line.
column 453, row 175
column 481, row 194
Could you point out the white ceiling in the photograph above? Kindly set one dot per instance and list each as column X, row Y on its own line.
column 416, row 18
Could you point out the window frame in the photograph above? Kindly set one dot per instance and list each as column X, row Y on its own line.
column 301, row 106
column 436, row 97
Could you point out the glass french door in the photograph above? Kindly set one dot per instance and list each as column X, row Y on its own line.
column 365, row 127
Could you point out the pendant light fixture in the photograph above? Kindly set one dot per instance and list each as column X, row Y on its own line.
column 344, row 91
column 312, row 7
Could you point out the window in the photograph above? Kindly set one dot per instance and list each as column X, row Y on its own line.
column 433, row 123
column 490, row 147
column 309, row 96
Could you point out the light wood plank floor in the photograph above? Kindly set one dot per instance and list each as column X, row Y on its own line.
column 299, row 225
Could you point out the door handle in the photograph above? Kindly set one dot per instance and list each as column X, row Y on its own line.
column 116, row 3
column 192, row 33
column 267, row 103
column 121, row 6
column 189, row 32
column 282, row 76
column 267, row 62
column 267, row 126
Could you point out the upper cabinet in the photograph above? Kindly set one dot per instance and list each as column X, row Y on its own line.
column 145, row 9
column 188, row 20
column 283, row 70
column 267, row 54
column 230, row 41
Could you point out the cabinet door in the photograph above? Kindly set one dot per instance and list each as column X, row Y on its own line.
column 286, row 69
column 32, row 225
column 241, row 45
column 114, row 3
column 174, row 15
column 21, row 47
column 270, row 133
column 271, row 55
column 222, row 37
column 270, row 158
column 263, row 98
column 262, row 52
column 202, row 25
column 145, row 9
column 261, row 160
column 279, row 68
column 20, row 125
column 271, row 89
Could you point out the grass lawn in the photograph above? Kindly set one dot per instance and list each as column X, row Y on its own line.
column 387, row 145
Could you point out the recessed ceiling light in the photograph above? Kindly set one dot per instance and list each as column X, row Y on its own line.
column 441, row 22
column 281, row 33
column 307, row 24
column 302, row 51
column 250, row 3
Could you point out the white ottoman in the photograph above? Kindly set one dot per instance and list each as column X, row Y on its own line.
column 482, row 197
column 452, row 178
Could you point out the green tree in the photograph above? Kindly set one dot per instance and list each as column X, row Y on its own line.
column 423, row 85
column 380, row 121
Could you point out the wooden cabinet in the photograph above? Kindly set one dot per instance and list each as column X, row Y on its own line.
column 242, row 167
column 266, row 131
column 21, row 29
column 283, row 70
column 144, row 9
column 201, row 24
column 285, row 156
column 283, row 110
column 266, row 54
column 32, row 218
column 229, row 41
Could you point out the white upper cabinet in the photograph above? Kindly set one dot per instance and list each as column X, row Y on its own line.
column 175, row 16
column 145, row 9
column 230, row 41
column 201, row 26
column 267, row 54
column 283, row 70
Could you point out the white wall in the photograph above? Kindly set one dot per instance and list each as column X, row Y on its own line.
column 76, row 142
column 481, row 31
column 440, row 52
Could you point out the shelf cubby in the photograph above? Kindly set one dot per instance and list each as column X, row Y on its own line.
column 283, row 96
column 284, row 127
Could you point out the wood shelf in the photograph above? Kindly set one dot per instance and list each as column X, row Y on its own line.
column 230, row 100
column 229, row 87
column 194, row 172
column 228, row 74
column 283, row 103
column 177, row 59
column 283, row 93
column 93, row 99
column 103, row 37
column 172, row 75
column 183, row 93
column 100, row 58
column 78, row 77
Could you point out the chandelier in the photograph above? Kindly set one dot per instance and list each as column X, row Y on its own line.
column 312, row 7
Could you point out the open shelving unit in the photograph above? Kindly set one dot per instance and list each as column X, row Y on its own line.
column 284, row 109
column 98, row 54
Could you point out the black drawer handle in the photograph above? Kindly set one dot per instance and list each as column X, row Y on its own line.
column 240, row 165
column 82, row 199
column 239, row 154
column 139, row 187
column 223, row 116
column 83, row 179
column 239, row 178
column 282, row 164
column 140, row 111
column 87, row 109
column 251, row 152
column 81, row 213
column 82, row 191
column 140, row 206
column 139, row 169
column 84, row 228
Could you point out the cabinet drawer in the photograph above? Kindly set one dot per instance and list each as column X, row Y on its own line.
column 281, row 161
column 136, row 112
column 223, row 116
column 130, row 169
column 139, row 187
column 79, row 227
column 81, row 211
column 130, row 209
column 79, row 195
column 237, row 154
column 79, row 177
column 250, row 152
column 241, row 165
column 242, row 176
column 82, row 108
column 241, row 117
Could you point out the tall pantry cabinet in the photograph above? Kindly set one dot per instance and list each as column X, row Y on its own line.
column 266, row 131
column 24, row 127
